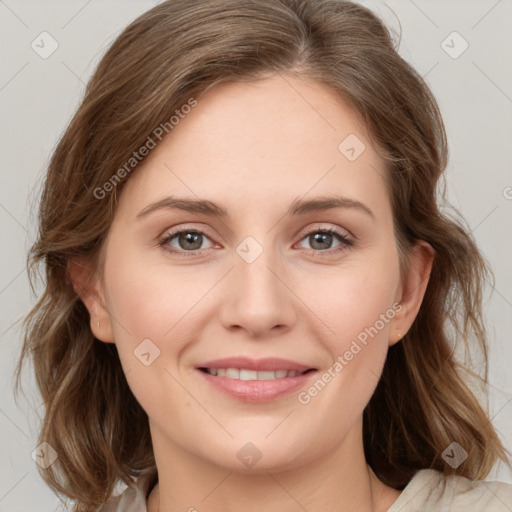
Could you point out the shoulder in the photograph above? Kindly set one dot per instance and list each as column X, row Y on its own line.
column 430, row 490
column 128, row 498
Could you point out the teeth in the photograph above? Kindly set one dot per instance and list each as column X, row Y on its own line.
column 244, row 374
column 248, row 375
column 232, row 373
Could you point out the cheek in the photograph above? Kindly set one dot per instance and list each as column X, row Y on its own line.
column 152, row 308
column 360, row 318
column 151, row 311
column 354, row 299
column 358, row 305
column 149, row 300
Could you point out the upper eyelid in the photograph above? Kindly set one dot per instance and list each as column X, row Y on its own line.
column 171, row 232
column 318, row 226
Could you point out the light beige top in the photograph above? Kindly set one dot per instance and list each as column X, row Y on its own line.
column 428, row 491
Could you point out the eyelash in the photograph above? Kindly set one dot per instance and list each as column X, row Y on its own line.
column 346, row 242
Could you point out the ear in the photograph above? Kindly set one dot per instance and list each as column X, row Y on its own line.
column 412, row 289
column 91, row 293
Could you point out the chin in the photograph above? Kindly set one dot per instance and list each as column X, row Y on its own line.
column 258, row 456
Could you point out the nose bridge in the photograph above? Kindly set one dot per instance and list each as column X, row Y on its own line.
column 257, row 298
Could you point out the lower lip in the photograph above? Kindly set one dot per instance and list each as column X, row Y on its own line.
column 257, row 390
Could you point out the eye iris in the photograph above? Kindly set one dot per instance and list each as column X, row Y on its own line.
column 321, row 238
column 190, row 238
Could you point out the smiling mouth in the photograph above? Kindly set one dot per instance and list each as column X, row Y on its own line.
column 245, row 374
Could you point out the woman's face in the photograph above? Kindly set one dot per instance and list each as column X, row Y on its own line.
column 264, row 281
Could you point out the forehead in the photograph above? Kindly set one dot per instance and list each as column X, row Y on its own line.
column 272, row 140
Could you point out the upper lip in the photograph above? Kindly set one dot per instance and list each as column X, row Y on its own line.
column 264, row 364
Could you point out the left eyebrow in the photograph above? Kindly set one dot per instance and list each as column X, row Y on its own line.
column 298, row 207
column 301, row 207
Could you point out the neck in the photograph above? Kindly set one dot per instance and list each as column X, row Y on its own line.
column 339, row 480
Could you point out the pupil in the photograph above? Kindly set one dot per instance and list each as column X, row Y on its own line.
column 190, row 238
column 321, row 238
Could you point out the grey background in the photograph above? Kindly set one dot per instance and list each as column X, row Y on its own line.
column 38, row 97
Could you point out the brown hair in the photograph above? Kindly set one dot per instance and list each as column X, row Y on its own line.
column 177, row 51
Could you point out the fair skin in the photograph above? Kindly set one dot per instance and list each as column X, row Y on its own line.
column 254, row 149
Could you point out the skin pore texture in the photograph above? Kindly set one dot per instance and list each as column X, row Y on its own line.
column 254, row 149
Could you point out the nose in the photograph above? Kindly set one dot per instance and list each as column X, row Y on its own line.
column 257, row 298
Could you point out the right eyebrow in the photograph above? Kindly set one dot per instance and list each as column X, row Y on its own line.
column 188, row 205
